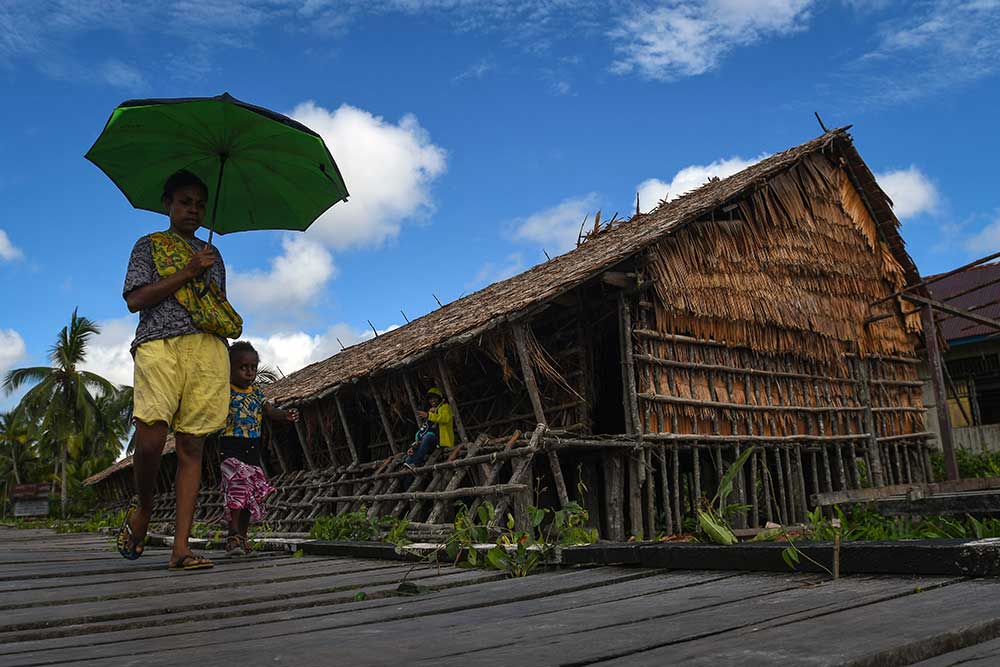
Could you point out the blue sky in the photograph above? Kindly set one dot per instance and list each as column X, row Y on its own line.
column 472, row 136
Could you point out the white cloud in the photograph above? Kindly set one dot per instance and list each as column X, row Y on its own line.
column 652, row 190
column 929, row 48
column 12, row 349
column 108, row 352
column 119, row 75
column 986, row 240
column 291, row 350
column 556, row 228
column 686, row 38
column 476, row 71
column 295, row 279
column 8, row 251
column 388, row 168
column 911, row 192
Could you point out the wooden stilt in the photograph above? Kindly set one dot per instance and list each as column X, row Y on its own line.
column 347, row 429
column 536, row 404
column 650, row 508
column 665, row 485
column 452, row 399
column 864, row 397
column 614, row 481
column 304, row 443
column 384, row 416
column 327, row 432
column 412, row 397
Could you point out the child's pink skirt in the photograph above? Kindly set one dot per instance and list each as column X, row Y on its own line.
column 244, row 487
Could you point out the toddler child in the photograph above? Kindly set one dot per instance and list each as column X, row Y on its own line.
column 244, row 486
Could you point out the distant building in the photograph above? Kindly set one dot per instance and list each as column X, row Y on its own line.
column 972, row 358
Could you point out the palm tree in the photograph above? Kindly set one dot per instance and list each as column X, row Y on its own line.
column 64, row 397
column 16, row 447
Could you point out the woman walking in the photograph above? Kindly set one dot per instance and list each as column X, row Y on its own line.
column 177, row 284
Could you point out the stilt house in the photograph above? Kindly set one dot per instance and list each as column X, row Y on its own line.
column 628, row 373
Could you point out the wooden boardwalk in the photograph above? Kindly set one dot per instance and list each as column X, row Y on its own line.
column 69, row 599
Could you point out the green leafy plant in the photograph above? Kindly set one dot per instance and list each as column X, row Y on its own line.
column 713, row 516
column 970, row 464
column 357, row 527
column 517, row 552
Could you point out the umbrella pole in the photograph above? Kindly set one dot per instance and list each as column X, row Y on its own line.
column 215, row 197
column 215, row 208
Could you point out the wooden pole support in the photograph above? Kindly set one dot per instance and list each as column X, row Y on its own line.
column 384, row 416
column 936, row 367
column 452, row 399
column 347, row 429
column 536, row 404
column 300, row 430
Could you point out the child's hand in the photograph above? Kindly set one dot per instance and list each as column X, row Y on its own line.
column 421, row 414
column 409, row 452
column 292, row 415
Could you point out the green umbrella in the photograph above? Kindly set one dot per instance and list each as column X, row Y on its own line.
column 269, row 171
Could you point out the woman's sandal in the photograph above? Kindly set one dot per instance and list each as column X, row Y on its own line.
column 190, row 562
column 129, row 546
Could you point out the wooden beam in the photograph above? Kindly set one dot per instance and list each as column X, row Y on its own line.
column 662, row 398
column 325, row 430
column 646, row 358
column 625, row 321
column 470, row 492
column 951, row 310
column 275, row 445
column 452, row 398
column 384, row 416
column 411, row 395
column 300, row 430
column 618, row 279
column 536, row 403
column 921, row 489
column 865, row 398
column 936, row 367
column 347, row 430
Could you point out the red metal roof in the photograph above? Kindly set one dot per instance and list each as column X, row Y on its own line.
column 955, row 329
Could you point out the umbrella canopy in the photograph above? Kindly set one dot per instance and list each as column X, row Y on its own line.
column 268, row 171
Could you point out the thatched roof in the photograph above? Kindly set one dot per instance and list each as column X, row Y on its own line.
column 502, row 301
column 125, row 463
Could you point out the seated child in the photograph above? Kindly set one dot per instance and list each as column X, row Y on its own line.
column 437, row 430
column 244, row 486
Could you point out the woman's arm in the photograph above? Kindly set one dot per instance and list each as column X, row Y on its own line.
column 149, row 295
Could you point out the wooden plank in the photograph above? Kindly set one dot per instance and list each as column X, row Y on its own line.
column 550, row 592
column 529, row 638
column 916, row 490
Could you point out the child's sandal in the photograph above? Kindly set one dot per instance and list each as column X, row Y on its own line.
column 234, row 546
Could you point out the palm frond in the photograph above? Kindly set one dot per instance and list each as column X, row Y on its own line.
column 17, row 377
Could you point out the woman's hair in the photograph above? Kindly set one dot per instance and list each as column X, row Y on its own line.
column 241, row 346
column 182, row 179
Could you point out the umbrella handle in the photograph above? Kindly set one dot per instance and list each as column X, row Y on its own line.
column 215, row 207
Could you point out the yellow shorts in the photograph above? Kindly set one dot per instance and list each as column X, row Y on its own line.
column 183, row 381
